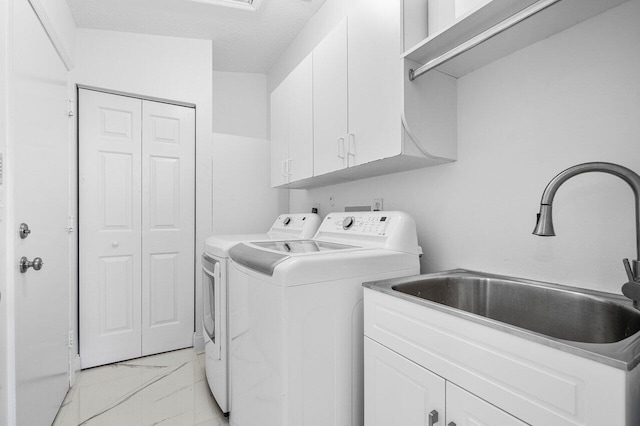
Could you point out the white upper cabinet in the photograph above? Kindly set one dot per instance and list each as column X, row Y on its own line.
column 279, row 135
column 367, row 118
column 292, row 126
column 375, row 81
column 330, row 106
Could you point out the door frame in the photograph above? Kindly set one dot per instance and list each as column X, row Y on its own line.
column 76, row 366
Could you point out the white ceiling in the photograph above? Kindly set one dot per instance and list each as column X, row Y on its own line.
column 242, row 40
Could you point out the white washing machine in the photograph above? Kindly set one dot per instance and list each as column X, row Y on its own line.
column 296, row 322
column 215, row 284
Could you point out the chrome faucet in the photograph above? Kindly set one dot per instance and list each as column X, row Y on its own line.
column 544, row 224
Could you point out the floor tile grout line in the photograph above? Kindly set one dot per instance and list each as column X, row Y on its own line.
column 133, row 393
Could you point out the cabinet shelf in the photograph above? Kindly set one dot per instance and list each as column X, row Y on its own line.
column 544, row 23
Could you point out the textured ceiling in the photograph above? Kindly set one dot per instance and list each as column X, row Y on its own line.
column 242, row 40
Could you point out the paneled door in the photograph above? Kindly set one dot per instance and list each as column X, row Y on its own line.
column 110, row 227
column 39, row 181
column 136, row 177
column 168, row 212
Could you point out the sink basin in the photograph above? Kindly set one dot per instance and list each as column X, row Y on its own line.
column 592, row 324
column 552, row 311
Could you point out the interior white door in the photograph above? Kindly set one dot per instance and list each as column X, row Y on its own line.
column 330, row 102
column 39, row 153
column 110, row 218
column 168, row 223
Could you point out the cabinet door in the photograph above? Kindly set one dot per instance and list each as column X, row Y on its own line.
column 375, row 81
column 300, row 103
column 279, row 134
column 466, row 409
column 330, row 102
column 398, row 391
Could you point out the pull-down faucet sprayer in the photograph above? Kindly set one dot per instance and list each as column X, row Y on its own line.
column 544, row 225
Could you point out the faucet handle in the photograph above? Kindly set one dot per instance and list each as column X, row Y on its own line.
column 627, row 268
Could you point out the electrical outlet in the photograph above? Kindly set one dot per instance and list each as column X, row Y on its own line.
column 332, row 201
column 377, row 205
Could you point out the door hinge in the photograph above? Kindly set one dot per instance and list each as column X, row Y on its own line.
column 70, row 342
column 70, row 112
column 71, row 220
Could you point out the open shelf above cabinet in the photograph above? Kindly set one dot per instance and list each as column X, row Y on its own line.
column 499, row 28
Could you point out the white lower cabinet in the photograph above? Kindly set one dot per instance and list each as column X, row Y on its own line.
column 466, row 409
column 401, row 392
column 489, row 377
column 398, row 391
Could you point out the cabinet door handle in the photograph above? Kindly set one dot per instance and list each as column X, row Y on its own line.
column 289, row 173
column 351, row 150
column 341, row 147
column 433, row 418
column 284, row 168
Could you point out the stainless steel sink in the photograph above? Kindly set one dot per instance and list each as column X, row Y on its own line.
column 601, row 326
column 551, row 311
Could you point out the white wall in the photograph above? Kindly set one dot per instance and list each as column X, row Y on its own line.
column 167, row 68
column 240, row 104
column 571, row 98
column 243, row 200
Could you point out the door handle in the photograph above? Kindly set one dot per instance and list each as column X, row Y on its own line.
column 433, row 418
column 341, row 147
column 26, row 264
column 351, row 149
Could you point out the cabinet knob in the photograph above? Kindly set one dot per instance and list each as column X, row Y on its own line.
column 433, row 418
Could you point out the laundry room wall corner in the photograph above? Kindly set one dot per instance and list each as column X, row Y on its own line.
column 244, row 201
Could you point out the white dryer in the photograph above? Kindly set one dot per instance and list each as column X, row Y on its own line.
column 296, row 321
column 215, row 284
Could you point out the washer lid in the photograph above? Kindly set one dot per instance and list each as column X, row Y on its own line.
column 264, row 256
column 219, row 245
column 301, row 246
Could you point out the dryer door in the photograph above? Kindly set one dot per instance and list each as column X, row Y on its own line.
column 211, row 297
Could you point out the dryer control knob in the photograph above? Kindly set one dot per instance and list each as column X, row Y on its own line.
column 286, row 221
column 348, row 222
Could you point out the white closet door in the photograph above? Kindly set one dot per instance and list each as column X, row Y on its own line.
column 110, row 227
column 168, row 169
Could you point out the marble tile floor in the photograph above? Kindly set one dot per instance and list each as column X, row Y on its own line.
column 168, row 389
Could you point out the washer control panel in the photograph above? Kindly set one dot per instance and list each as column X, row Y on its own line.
column 299, row 225
column 374, row 223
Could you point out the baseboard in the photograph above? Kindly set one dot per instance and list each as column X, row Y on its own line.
column 198, row 342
